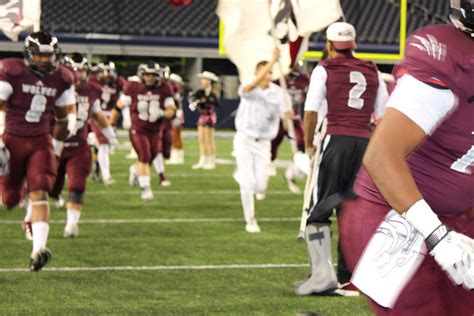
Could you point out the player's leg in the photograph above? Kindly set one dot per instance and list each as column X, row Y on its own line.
column 178, row 145
column 245, row 177
column 262, row 158
column 275, row 145
column 142, row 145
column 58, row 185
column 41, row 172
column 174, row 143
column 103, row 155
column 293, row 173
column 13, row 183
column 77, row 168
column 157, row 147
column 202, row 154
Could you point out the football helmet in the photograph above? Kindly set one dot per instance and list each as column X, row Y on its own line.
column 41, row 44
column 79, row 65
column 107, row 72
column 462, row 15
column 150, row 68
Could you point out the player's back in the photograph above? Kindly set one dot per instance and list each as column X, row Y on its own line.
column 351, row 93
column 31, row 103
column 442, row 56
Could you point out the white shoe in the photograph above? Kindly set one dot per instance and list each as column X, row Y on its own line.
column 108, row 182
column 59, row 202
column 260, row 196
column 272, row 170
column 180, row 157
column 71, row 231
column 132, row 176
column 147, row 194
column 165, row 183
column 209, row 166
column 252, row 228
column 199, row 165
column 290, row 180
column 173, row 158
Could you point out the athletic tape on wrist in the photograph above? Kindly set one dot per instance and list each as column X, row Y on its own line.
column 422, row 217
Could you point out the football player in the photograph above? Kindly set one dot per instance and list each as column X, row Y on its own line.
column 177, row 152
column 112, row 85
column 149, row 102
column 33, row 91
column 419, row 162
column 205, row 100
column 75, row 161
column 354, row 89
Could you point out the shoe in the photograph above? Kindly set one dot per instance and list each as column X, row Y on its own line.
column 209, row 166
column 58, row 201
column 252, row 227
column 147, row 194
column 173, row 158
column 108, row 182
column 132, row 176
column 71, row 231
column 290, row 180
column 165, row 183
column 40, row 259
column 26, row 226
column 347, row 289
column 260, row 196
column 200, row 164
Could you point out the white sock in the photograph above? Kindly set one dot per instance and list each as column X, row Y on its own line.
column 248, row 204
column 73, row 217
column 144, row 181
column 29, row 212
column 40, row 235
column 104, row 161
column 159, row 164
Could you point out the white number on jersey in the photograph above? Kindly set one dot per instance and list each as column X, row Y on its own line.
column 37, row 108
column 106, row 96
column 354, row 100
column 465, row 163
column 82, row 114
column 149, row 110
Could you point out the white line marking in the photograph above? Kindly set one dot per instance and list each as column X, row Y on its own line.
column 182, row 192
column 166, row 220
column 163, row 267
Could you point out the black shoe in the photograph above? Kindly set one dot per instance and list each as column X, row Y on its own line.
column 40, row 259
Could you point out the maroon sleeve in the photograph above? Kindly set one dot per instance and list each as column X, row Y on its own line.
column 10, row 67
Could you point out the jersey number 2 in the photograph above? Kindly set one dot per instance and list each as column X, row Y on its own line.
column 37, row 108
column 355, row 100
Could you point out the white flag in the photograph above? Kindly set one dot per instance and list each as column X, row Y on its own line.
column 248, row 30
column 18, row 16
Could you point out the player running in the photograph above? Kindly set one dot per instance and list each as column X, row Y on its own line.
column 419, row 163
column 33, row 92
column 76, row 160
column 353, row 89
column 177, row 151
column 149, row 102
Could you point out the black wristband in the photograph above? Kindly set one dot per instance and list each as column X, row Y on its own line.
column 436, row 236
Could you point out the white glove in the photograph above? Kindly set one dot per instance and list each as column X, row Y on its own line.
column 455, row 254
column 72, row 124
column 193, row 105
column 58, row 147
column 109, row 133
column 4, row 161
column 179, row 113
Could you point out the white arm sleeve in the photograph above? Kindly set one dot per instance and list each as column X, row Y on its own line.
column 169, row 101
column 68, row 97
column 126, row 99
column 381, row 98
column 96, row 106
column 423, row 104
column 317, row 89
column 6, row 90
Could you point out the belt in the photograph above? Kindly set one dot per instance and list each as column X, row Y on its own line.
column 73, row 144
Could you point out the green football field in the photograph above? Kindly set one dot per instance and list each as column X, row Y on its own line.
column 184, row 253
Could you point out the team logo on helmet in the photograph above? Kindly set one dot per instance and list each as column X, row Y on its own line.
column 39, row 46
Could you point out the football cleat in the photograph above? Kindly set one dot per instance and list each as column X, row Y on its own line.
column 260, row 196
column 26, row 226
column 347, row 290
column 40, row 259
column 252, row 227
column 147, row 194
column 165, row 183
column 71, row 231
column 58, row 201
column 132, row 176
column 108, row 182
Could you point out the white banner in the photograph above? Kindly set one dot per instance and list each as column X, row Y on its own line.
column 18, row 16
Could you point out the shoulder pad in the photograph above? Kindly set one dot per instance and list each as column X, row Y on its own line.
column 66, row 74
column 12, row 67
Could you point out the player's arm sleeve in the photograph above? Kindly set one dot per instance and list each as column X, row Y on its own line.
column 68, row 97
column 6, row 90
column 381, row 97
column 96, row 106
column 425, row 105
column 169, row 101
column 125, row 99
column 317, row 89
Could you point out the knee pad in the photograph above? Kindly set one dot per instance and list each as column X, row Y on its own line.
column 76, row 197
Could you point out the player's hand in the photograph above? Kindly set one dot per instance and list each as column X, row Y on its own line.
column 58, row 146
column 455, row 254
column 310, row 151
column 4, row 161
column 193, row 106
column 276, row 54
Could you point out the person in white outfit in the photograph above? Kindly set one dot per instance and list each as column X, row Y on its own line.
column 257, row 120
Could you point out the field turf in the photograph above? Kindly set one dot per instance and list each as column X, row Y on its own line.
column 184, row 253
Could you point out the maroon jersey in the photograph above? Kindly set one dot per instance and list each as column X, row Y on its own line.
column 30, row 108
column 351, row 93
column 110, row 92
column 442, row 166
column 298, row 85
column 87, row 96
column 147, row 105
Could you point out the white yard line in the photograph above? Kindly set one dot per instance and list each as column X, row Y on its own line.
column 166, row 220
column 181, row 192
column 164, row 267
